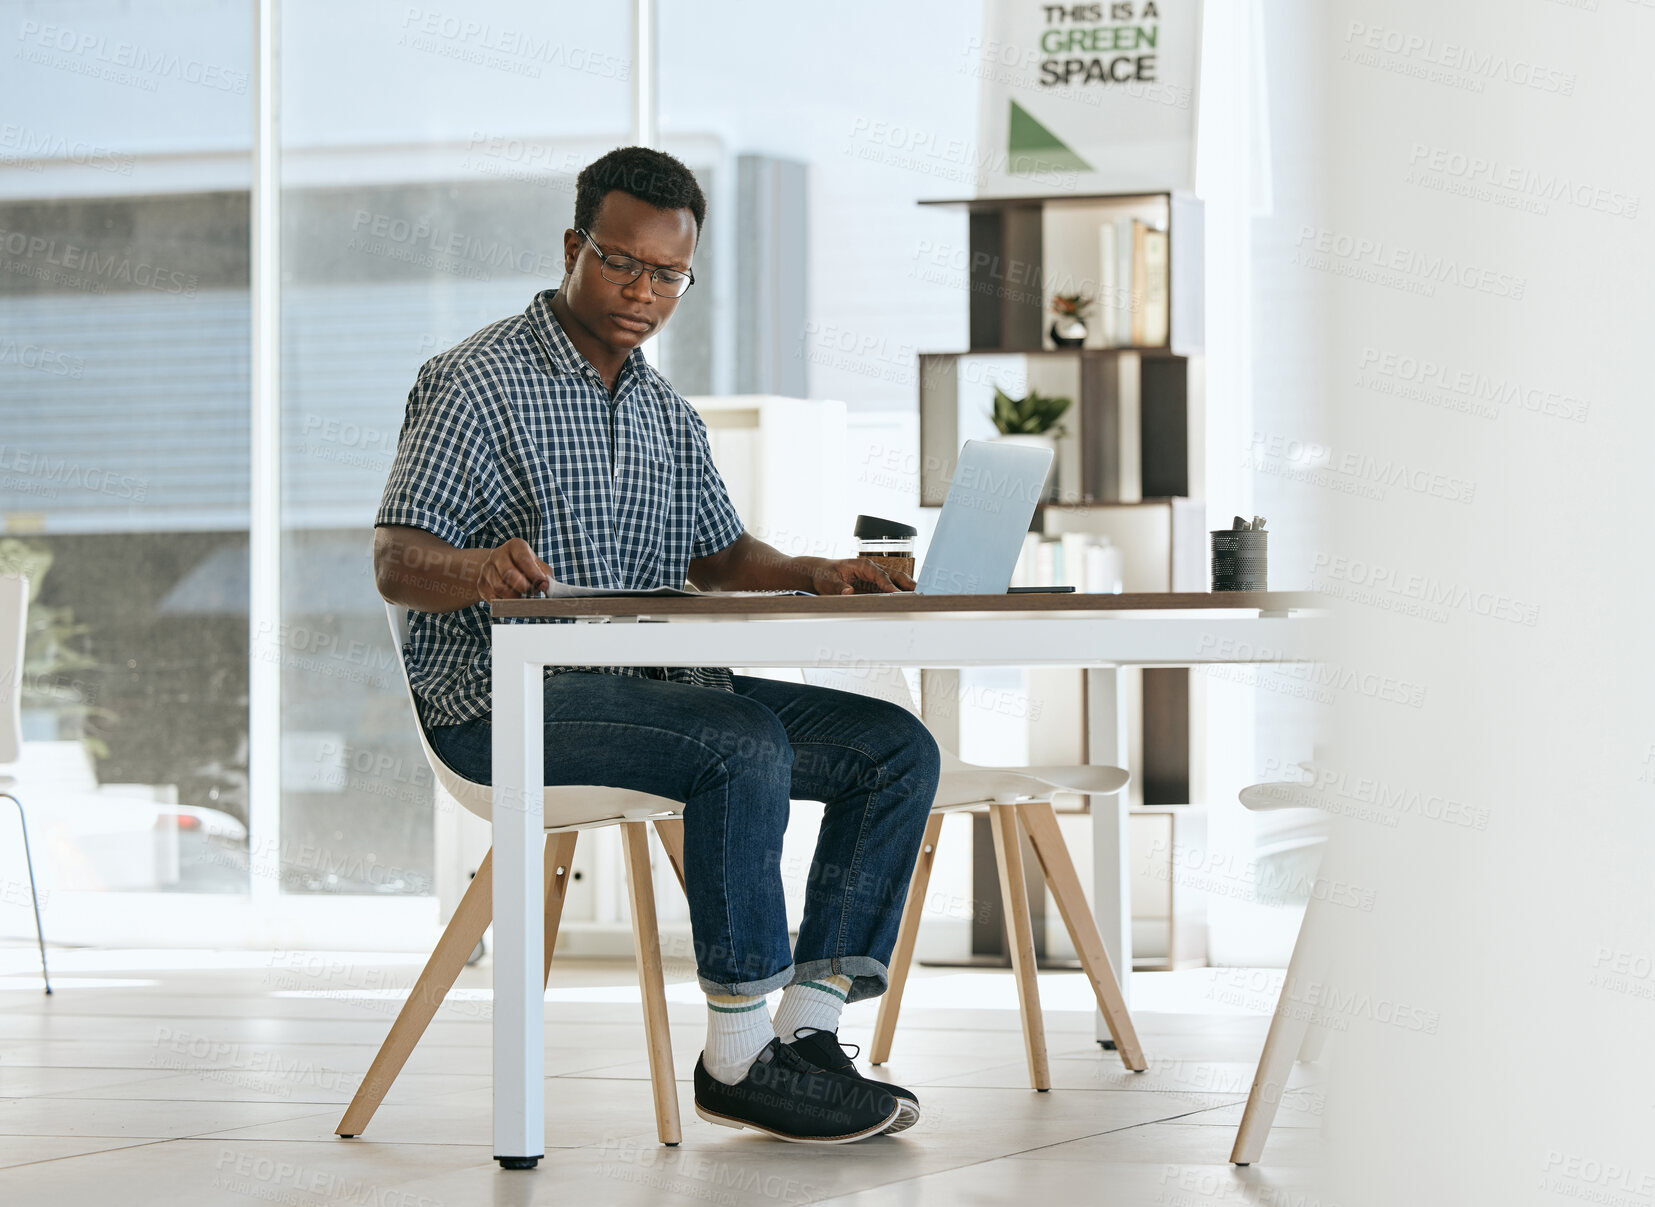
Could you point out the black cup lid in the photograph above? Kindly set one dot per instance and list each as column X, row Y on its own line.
column 874, row 528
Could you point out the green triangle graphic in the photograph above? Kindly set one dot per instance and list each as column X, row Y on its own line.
column 1033, row 148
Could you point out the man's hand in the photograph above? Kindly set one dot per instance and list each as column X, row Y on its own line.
column 748, row 564
column 511, row 572
column 840, row 577
column 420, row 570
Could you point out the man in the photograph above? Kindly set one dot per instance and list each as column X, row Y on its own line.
column 545, row 447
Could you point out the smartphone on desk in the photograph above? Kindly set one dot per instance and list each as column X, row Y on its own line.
column 1036, row 590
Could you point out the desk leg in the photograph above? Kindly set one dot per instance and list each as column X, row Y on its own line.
column 1106, row 742
column 519, row 909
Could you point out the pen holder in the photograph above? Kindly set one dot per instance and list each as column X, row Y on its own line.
column 1239, row 560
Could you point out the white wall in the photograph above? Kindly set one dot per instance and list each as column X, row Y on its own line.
column 1487, row 211
column 876, row 99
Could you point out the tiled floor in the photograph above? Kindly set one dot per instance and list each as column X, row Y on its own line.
column 184, row 1078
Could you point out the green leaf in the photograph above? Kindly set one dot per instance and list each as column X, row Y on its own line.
column 1032, row 415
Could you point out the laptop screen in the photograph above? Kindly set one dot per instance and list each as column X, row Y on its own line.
column 984, row 519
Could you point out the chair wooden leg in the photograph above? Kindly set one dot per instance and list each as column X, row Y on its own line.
column 902, row 958
column 464, row 930
column 1008, row 854
column 458, row 941
column 560, row 856
column 671, row 832
column 1040, row 820
column 1275, row 1065
column 646, row 942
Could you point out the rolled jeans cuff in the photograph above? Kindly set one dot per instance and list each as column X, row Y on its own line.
column 868, row 976
column 748, row 988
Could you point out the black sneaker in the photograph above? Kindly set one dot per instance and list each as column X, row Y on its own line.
column 785, row 1096
column 822, row 1049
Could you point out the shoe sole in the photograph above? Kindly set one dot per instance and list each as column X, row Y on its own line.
column 907, row 1114
column 738, row 1124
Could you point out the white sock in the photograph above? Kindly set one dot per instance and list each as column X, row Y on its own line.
column 814, row 1003
column 738, row 1029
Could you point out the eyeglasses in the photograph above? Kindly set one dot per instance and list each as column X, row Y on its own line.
column 623, row 270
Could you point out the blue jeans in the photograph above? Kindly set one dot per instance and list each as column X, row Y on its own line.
column 735, row 759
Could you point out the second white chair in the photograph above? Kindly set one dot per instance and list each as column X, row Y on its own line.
column 1013, row 796
column 1292, row 1036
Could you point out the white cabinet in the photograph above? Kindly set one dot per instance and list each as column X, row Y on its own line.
column 783, row 462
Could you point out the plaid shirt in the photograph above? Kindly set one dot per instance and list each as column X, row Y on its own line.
column 512, row 433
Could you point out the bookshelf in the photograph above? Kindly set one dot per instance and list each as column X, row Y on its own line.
column 1136, row 403
column 1130, row 464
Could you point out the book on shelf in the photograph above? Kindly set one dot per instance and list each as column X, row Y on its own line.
column 1108, row 286
column 1124, row 300
column 1155, row 300
column 1142, row 277
column 1140, row 281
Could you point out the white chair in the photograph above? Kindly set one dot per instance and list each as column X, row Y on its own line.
column 1291, row 1037
column 568, row 810
column 14, row 612
column 1012, row 795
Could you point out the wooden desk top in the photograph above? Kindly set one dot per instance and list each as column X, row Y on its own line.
column 899, row 603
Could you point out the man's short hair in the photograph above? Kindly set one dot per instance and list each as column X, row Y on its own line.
column 641, row 172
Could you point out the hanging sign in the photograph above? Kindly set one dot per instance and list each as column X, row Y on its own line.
column 1087, row 98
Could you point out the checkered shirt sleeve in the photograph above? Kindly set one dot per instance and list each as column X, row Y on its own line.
column 443, row 478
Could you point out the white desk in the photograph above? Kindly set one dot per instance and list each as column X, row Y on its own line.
column 929, row 631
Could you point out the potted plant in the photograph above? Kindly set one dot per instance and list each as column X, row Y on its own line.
column 1069, row 328
column 1031, row 419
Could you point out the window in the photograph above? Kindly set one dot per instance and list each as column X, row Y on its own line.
column 428, row 166
column 124, row 446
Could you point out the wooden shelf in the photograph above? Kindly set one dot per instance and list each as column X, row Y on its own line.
column 1026, row 250
column 1126, row 436
column 994, row 203
column 1128, row 433
column 1112, row 350
column 1132, row 441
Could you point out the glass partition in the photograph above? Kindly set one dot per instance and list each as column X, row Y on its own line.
column 124, row 439
column 428, row 165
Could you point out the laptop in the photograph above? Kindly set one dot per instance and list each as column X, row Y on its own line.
column 984, row 519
